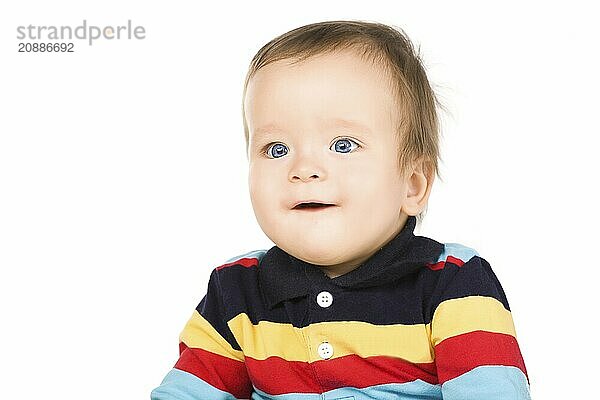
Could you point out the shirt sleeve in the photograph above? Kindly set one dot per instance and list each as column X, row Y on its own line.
column 211, row 363
column 473, row 336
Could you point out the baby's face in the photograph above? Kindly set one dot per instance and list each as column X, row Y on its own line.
column 324, row 131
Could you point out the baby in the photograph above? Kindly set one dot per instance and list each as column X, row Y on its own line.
column 342, row 143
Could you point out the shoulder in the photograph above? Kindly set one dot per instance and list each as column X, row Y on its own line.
column 459, row 260
column 461, row 271
column 236, row 279
column 456, row 254
column 239, row 270
column 248, row 259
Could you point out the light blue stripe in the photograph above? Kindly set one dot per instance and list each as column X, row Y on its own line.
column 457, row 250
column 181, row 385
column 414, row 390
column 489, row 382
column 251, row 254
column 485, row 382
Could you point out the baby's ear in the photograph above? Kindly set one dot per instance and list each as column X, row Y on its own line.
column 419, row 186
column 424, row 166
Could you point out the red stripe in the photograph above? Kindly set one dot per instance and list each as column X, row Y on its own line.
column 437, row 266
column 457, row 261
column 441, row 264
column 221, row 372
column 275, row 375
column 244, row 262
column 459, row 354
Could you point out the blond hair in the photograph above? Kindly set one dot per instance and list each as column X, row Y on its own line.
column 391, row 50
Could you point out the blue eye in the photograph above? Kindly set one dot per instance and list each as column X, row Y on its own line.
column 344, row 145
column 279, row 150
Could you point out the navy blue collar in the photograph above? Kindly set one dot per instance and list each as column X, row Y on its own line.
column 283, row 276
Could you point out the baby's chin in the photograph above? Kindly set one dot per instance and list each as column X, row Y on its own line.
column 319, row 252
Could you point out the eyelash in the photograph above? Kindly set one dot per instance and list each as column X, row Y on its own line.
column 264, row 150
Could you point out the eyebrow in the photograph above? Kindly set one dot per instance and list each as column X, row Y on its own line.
column 334, row 122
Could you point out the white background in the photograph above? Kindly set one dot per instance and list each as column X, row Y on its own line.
column 123, row 179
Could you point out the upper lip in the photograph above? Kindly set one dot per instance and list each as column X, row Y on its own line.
column 313, row 201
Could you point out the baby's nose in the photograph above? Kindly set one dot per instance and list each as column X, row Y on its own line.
column 304, row 171
column 307, row 165
column 305, row 176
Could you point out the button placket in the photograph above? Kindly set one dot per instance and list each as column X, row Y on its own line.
column 324, row 300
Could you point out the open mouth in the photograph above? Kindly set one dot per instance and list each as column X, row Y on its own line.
column 313, row 206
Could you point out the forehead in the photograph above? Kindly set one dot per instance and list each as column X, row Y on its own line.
column 333, row 89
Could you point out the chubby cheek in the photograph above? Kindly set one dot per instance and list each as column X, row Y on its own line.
column 266, row 203
column 363, row 182
column 375, row 189
column 263, row 192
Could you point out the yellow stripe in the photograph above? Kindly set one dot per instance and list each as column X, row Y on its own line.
column 266, row 339
column 199, row 333
column 474, row 313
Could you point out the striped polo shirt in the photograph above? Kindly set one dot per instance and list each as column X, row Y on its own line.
column 418, row 320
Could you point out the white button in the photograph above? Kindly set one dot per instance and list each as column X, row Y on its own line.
column 325, row 350
column 324, row 299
